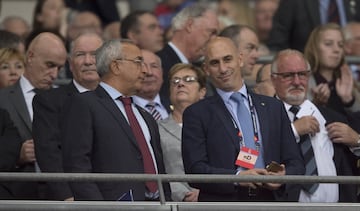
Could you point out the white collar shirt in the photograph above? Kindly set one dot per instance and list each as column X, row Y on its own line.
column 28, row 91
column 323, row 152
column 79, row 87
column 182, row 57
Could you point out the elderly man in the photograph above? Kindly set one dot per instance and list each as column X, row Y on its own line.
column 237, row 132
column 148, row 97
column 45, row 56
column 104, row 131
column 290, row 75
column 193, row 28
column 48, row 107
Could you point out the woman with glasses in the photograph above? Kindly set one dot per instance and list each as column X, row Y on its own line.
column 187, row 86
column 331, row 83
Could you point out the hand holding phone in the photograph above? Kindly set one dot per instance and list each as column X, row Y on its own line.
column 274, row 167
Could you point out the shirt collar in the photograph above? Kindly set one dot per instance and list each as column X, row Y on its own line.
column 25, row 85
column 182, row 57
column 114, row 94
column 226, row 95
column 80, row 88
column 143, row 102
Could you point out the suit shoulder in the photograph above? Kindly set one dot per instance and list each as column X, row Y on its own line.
column 163, row 51
column 267, row 99
column 203, row 104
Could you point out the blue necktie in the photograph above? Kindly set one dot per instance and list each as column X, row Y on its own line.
column 308, row 155
column 246, row 125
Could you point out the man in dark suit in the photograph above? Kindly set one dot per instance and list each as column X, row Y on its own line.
column 290, row 74
column 294, row 20
column 45, row 56
column 10, row 143
column 97, row 137
column 193, row 27
column 48, row 108
column 215, row 140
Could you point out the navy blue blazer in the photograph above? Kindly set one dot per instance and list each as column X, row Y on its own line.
column 210, row 144
column 97, row 138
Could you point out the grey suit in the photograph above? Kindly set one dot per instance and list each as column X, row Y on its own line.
column 12, row 100
column 170, row 139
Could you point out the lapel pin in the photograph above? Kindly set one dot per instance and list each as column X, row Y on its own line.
column 263, row 104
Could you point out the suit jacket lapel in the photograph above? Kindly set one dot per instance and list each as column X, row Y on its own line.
column 17, row 98
column 109, row 105
column 225, row 117
column 71, row 89
column 172, row 127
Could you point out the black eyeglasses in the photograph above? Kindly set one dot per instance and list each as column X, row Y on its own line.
column 289, row 76
column 139, row 61
column 185, row 79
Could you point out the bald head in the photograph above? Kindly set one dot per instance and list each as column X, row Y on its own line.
column 223, row 64
column 45, row 56
column 47, row 40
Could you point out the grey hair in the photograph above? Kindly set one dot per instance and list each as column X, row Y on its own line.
column 72, row 43
column 191, row 12
column 107, row 53
column 274, row 64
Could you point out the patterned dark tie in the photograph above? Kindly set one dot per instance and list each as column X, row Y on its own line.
column 153, row 111
column 148, row 162
column 333, row 12
column 308, row 155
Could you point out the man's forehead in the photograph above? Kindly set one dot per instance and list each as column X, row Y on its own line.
column 128, row 48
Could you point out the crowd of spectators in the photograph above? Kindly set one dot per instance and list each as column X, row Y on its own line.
column 176, row 87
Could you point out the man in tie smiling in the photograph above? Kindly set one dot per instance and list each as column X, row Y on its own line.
column 216, row 140
column 290, row 73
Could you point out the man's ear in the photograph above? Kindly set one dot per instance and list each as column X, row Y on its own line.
column 132, row 36
column 189, row 25
column 241, row 61
column 29, row 56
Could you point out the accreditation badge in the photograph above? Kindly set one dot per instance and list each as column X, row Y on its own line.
column 247, row 158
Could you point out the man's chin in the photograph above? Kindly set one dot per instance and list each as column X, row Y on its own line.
column 295, row 99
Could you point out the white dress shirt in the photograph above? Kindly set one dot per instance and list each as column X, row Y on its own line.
column 182, row 57
column 28, row 92
column 80, row 88
column 323, row 152
column 158, row 106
